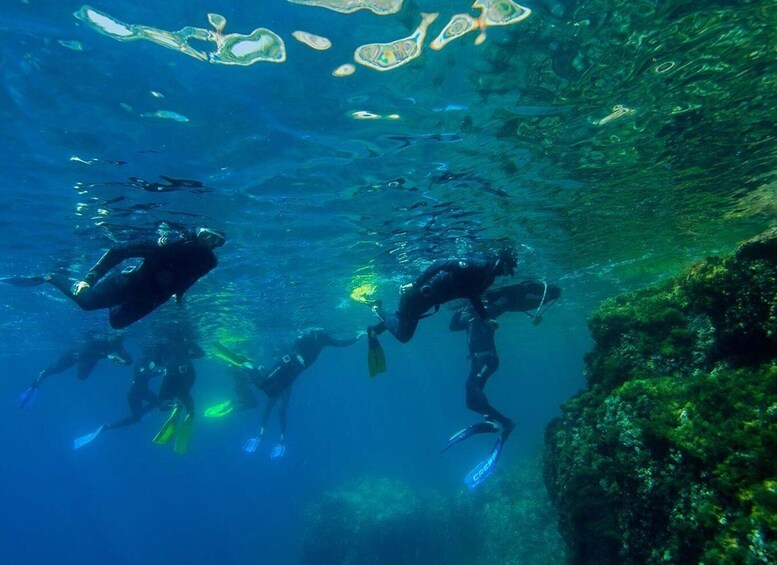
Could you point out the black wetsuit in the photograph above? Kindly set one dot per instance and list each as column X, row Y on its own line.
column 176, row 358
column 139, row 396
column 86, row 358
column 523, row 296
column 276, row 383
column 171, row 265
column 442, row 282
column 484, row 360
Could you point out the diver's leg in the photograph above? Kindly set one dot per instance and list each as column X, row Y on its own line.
column 477, row 401
column 130, row 312
column 65, row 361
column 268, row 408
column 85, row 368
column 135, row 401
column 285, row 397
column 106, row 293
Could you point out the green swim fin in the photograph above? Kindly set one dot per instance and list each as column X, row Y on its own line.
column 231, row 357
column 183, row 435
column 376, row 359
column 220, row 410
column 167, row 431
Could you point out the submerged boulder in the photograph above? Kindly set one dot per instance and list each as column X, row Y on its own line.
column 381, row 522
column 509, row 521
column 669, row 455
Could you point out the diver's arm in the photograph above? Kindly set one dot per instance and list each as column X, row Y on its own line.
column 457, row 324
column 116, row 255
column 328, row 340
column 477, row 304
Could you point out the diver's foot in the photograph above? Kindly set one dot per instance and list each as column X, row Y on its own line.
column 507, row 429
column 250, row 445
column 278, row 451
column 487, row 427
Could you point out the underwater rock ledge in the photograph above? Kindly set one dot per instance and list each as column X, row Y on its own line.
column 670, row 455
column 380, row 521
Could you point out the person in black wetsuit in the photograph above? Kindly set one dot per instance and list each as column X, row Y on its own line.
column 176, row 357
column 524, row 296
column 484, row 361
column 170, row 359
column 442, row 282
column 140, row 398
column 85, row 358
column 276, row 382
column 170, row 265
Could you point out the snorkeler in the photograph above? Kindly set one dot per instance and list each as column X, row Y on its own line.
column 524, row 296
column 277, row 382
column 484, row 361
column 175, row 392
column 442, row 282
column 170, row 265
column 86, row 357
column 140, row 398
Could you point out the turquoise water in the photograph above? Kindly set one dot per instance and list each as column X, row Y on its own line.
column 612, row 142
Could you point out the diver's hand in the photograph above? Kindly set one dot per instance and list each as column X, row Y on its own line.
column 247, row 365
column 493, row 323
column 80, row 287
column 360, row 335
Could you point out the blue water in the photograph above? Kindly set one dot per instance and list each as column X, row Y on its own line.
column 495, row 144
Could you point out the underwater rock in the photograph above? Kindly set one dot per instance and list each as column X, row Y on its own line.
column 668, row 457
column 382, row 521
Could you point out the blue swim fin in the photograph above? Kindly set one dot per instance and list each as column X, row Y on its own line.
column 250, row 445
column 278, row 451
column 79, row 442
column 484, row 469
column 26, row 398
column 487, row 427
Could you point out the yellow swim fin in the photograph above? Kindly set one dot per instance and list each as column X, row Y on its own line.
column 220, row 410
column 376, row 359
column 183, row 435
column 167, row 431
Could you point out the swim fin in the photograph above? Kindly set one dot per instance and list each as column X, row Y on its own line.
column 376, row 359
column 250, row 445
column 231, row 357
column 484, row 469
column 23, row 282
column 79, row 442
column 183, row 435
column 26, row 398
column 220, row 410
column 167, row 431
column 487, row 427
column 278, row 451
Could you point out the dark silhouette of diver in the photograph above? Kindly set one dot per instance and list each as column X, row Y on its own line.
column 277, row 381
column 140, row 398
column 172, row 360
column 484, row 361
column 175, row 392
column 524, row 296
column 442, row 282
column 85, row 358
column 170, row 265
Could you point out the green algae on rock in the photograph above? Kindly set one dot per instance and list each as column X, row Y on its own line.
column 668, row 457
column 382, row 521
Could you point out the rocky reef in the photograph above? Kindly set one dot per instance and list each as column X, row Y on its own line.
column 382, row 521
column 670, row 455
